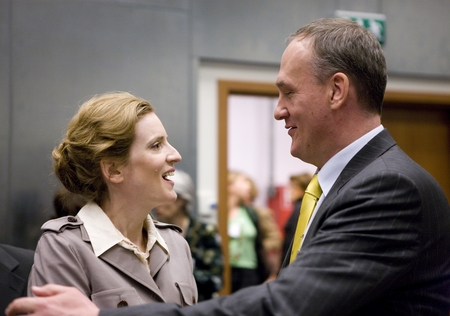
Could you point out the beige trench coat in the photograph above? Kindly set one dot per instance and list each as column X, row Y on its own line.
column 116, row 278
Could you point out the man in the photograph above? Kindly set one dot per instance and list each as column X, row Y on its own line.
column 377, row 242
column 15, row 265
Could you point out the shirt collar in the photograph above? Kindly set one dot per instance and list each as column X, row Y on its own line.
column 104, row 235
column 333, row 167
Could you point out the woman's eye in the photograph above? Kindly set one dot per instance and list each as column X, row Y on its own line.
column 156, row 145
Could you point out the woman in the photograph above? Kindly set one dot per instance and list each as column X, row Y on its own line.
column 203, row 238
column 116, row 154
column 271, row 238
column 245, row 243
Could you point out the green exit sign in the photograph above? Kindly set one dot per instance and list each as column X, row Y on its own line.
column 375, row 22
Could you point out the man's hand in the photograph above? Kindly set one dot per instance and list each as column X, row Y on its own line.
column 53, row 300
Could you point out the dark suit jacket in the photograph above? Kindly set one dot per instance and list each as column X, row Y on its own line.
column 15, row 265
column 378, row 245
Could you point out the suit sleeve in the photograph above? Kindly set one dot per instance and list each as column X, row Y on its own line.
column 364, row 246
column 57, row 261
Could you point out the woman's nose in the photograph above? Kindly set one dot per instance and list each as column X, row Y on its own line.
column 174, row 155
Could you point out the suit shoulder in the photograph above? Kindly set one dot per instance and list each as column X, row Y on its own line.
column 13, row 250
column 161, row 225
column 62, row 223
column 20, row 254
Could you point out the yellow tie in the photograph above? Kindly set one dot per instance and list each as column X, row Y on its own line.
column 312, row 194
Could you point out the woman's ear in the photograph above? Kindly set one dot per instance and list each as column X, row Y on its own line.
column 339, row 90
column 111, row 171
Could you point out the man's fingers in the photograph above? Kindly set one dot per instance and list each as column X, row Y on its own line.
column 29, row 305
column 53, row 300
column 21, row 306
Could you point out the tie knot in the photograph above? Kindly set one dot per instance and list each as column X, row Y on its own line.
column 314, row 187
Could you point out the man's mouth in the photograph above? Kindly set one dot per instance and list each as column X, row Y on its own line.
column 292, row 130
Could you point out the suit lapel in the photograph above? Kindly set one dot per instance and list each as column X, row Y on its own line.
column 376, row 147
column 8, row 261
column 14, row 282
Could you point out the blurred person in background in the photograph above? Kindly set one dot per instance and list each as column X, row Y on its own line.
column 297, row 187
column 203, row 238
column 270, row 233
column 246, row 252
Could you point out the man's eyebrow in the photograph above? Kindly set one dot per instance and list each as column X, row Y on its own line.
column 280, row 83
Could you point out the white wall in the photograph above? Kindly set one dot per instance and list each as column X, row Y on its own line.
column 259, row 146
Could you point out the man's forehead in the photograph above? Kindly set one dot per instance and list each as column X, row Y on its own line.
column 285, row 73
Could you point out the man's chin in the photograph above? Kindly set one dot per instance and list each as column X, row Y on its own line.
column 295, row 152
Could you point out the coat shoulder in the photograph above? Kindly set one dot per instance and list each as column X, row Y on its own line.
column 161, row 225
column 62, row 223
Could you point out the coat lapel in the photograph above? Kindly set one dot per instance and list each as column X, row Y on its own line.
column 157, row 259
column 126, row 261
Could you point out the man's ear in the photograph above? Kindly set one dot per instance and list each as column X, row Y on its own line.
column 111, row 171
column 339, row 84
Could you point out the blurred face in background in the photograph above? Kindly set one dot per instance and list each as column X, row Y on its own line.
column 296, row 191
column 241, row 187
column 167, row 212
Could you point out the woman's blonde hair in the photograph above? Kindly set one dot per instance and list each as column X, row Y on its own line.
column 104, row 127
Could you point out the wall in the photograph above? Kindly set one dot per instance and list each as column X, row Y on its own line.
column 62, row 52
column 55, row 53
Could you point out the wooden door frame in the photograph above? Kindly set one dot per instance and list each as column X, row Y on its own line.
column 420, row 100
column 225, row 89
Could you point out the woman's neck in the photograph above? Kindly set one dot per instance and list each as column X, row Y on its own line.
column 129, row 223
